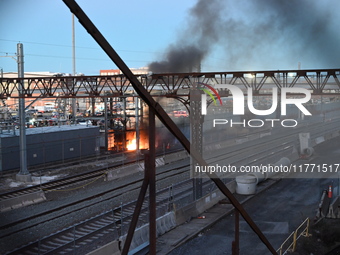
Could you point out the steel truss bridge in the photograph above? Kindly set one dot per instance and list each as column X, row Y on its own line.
column 177, row 85
column 319, row 81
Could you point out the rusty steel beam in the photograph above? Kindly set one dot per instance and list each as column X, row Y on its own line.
column 159, row 111
column 136, row 213
column 149, row 181
column 319, row 81
column 151, row 165
column 237, row 233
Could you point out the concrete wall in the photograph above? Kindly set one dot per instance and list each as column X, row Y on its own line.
column 50, row 145
column 334, row 209
column 111, row 248
column 140, row 237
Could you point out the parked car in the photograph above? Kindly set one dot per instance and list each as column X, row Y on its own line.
column 84, row 122
column 180, row 113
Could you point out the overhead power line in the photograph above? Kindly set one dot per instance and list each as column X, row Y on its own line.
column 69, row 46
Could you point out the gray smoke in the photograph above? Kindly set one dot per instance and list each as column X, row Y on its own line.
column 289, row 31
column 202, row 33
column 268, row 34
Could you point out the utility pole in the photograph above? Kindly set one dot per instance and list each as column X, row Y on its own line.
column 23, row 175
column 73, row 47
column 74, row 100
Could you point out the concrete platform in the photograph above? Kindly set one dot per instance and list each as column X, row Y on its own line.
column 183, row 233
column 24, row 200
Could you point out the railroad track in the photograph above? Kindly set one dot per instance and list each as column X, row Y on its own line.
column 77, row 179
column 47, row 167
column 66, row 182
column 100, row 171
column 256, row 151
column 183, row 168
column 263, row 150
column 113, row 224
column 118, row 190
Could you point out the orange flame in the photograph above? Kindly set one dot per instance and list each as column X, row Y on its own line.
column 132, row 145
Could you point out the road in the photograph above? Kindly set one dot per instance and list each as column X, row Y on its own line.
column 277, row 211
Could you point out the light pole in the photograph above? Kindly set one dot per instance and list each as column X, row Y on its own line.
column 74, row 100
column 23, row 174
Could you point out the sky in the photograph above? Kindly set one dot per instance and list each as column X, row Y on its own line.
column 173, row 36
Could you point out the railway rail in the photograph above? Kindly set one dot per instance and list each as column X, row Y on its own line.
column 264, row 151
column 113, row 224
column 99, row 171
column 74, row 179
column 231, row 158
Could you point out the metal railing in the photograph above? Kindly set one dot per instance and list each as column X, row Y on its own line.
column 290, row 243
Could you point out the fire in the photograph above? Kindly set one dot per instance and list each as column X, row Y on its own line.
column 132, row 145
column 132, row 139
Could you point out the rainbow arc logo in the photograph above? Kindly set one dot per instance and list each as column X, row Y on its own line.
column 207, row 90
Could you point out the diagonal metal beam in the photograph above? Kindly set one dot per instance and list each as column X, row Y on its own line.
column 136, row 213
column 159, row 111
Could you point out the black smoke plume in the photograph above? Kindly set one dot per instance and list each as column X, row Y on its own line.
column 202, row 33
column 254, row 35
